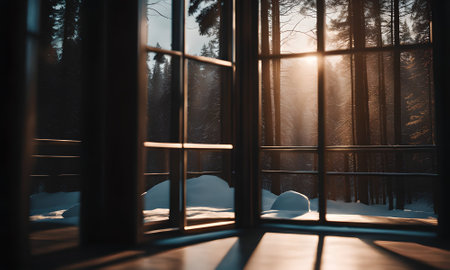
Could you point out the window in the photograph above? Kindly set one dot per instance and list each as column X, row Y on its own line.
column 348, row 129
column 190, row 67
column 55, row 178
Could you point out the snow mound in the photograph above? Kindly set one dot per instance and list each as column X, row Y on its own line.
column 292, row 201
column 47, row 202
column 158, row 196
column 268, row 198
column 209, row 190
column 206, row 190
column 74, row 211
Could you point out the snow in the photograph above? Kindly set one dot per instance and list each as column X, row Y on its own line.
column 213, row 199
column 268, row 198
column 291, row 201
column 48, row 202
column 210, row 191
column 51, row 207
column 209, row 196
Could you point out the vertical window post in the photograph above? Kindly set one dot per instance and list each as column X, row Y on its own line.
column 20, row 28
column 247, row 106
column 321, row 107
column 114, row 105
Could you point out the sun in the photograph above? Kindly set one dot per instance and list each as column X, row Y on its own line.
column 311, row 60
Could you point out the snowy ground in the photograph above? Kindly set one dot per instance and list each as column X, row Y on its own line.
column 211, row 197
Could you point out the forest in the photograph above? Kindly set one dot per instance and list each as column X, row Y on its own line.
column 379, row 115
column 379, row 125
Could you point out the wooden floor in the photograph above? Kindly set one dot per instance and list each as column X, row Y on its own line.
column 266, row 248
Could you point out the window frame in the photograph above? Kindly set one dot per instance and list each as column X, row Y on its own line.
column 180, row 145
column 321, row 149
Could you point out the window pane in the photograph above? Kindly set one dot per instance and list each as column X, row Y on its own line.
column 360, row 101
column 360, row 91
column 208, row 24
column 289, row 101
column 159, row 23
column 288, row 160
column 298, row 197
column 209, row 111
column 337, row 30
column 338, row 85
column 415, row 20
column 382, row 160
column 156, row 197
column 419, row 196
column 209, row 186
column 55, row 181
column 287, row 26
column 379, row 23
column 417, row 93
column 160, row 107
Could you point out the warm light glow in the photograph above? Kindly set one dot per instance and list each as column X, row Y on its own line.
column 312, row 60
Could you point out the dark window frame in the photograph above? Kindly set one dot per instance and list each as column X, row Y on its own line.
column 179, row 144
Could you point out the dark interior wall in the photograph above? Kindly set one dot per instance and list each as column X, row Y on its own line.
column 441, row 42
column 19, row 30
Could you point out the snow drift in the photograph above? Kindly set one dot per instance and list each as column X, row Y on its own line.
column 209, row 196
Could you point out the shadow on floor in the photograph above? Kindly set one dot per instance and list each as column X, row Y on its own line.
column 257, row 249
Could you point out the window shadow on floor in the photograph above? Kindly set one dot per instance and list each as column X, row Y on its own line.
column 239, row 254
column 417, row 255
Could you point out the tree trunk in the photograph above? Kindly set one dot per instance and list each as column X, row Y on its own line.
column 276, row 188
column 381, row 89
column 361, row 98
column 400, row 189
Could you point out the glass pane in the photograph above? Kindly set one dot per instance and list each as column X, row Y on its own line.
column 379, row 160
column 208, row 25
column 209, row 187
column 360, row 99
column 418, row 196
column 55, row 181
column 159, row 23
column 289, row 101
column 417, row 94
column 338, row 85
column 379, row 23
column 415, row 21
column 209, row 109
column 287, row 26
column 160, row 107
column 58, row 111
column 360, row 92
column 156, row 197
column 298, row 197
column 337, row 30
column 288, row 160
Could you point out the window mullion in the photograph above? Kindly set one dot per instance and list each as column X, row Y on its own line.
column 177, row 157
column 321, row 107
